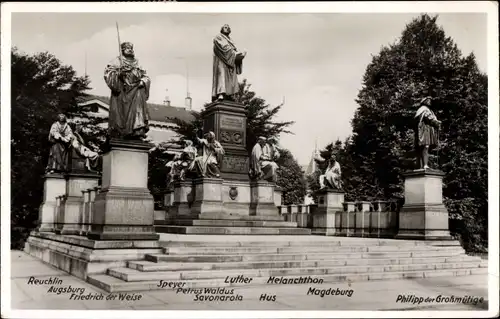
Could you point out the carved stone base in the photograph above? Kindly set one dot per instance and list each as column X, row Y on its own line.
column 262, row 199
column 124, row 208
column 54, row 185
column 423, row 216
column 208, row 196
column 73, row 214
column 327, row 217
column 183, row 197
column 229, row 122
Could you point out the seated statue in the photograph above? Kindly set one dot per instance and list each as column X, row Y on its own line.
column 60, row 139
column 91, row 158
column 262, row 160
column 207, row 165
column 331, row 178
column 182, row 163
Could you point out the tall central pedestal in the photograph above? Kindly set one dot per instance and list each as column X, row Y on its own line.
column 124, row 208
column 228, row 120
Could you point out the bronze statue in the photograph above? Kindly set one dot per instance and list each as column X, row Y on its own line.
column 60, row 137
column 207, row 165
column 426, row 132
column 129, row 84
column 263, row 160
column 227, row 63
column 331, row 178
column 182, row 163
column 92, row 158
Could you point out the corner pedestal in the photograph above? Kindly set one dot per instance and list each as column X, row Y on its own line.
column 183, row 197
column 424, row 216
column 326, row 218
column 54, row 186
column 124, row 209
column 262, row 199
column 228, row 120
column 72, row 220
column 208, row 196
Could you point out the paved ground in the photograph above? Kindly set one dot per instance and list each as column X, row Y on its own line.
column 373, row 295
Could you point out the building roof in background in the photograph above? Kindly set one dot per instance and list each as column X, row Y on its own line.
column 158, row 112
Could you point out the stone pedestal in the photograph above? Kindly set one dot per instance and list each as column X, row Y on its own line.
column 236, row 197
column 208, row 196
column 85, row 212
column 228, row 120
column 262, row 199
column 183, row 197
column 124, row 208
column 423, row 216
column 59, row 220
column 325, row 216
column 278, row 196
column 73, row 214
column 54, row 186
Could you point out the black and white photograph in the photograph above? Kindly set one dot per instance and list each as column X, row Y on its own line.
column 219, row 159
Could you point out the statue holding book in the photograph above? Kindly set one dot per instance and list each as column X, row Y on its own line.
column 227, row 64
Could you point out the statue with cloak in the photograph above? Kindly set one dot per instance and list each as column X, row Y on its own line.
column 60, row 136
column 182, row 163
column 331, row 178
column 92, row 158
column 426, row 132
column 129, row 84
column 212, row 152
column 227, row 63
column 262, row 160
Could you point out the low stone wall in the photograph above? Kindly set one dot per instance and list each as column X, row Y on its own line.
column 357, row 219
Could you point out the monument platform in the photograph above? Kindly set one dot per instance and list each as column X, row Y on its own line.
column 213, row 206
column 207, row 261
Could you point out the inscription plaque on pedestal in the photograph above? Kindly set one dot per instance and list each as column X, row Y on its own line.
column 228, row 121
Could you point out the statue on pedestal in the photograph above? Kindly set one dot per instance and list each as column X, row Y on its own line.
column 227, row 63
column 91, row 157
column 262, row 160
column 129, row 84
column 426, row 132
column 182, row 163
column 207, row 165
column 60, row 136
column 331, row 178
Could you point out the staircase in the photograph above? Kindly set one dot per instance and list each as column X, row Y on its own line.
column 200, row 263
column 227, row 224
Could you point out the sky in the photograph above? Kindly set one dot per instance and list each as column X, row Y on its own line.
column 314, row 61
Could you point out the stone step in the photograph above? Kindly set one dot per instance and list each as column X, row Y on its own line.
column 222, row 216
column 292, row 250
column 300, row 256
column 113, row 284
column 231, row 223
column 214, row 230
column 128, row 274
column 144, row 265
column 302, row 241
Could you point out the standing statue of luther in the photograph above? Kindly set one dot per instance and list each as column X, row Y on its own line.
column 228, row 62
column 129, row 84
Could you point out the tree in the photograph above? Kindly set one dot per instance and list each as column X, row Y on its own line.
column 424, row 61
column 260, row 122
column 41, row 87
column 290, row 179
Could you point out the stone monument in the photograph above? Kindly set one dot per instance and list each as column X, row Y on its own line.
column 423, row 215
column 221, row 198
column 124, row 208
column 327, row 217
